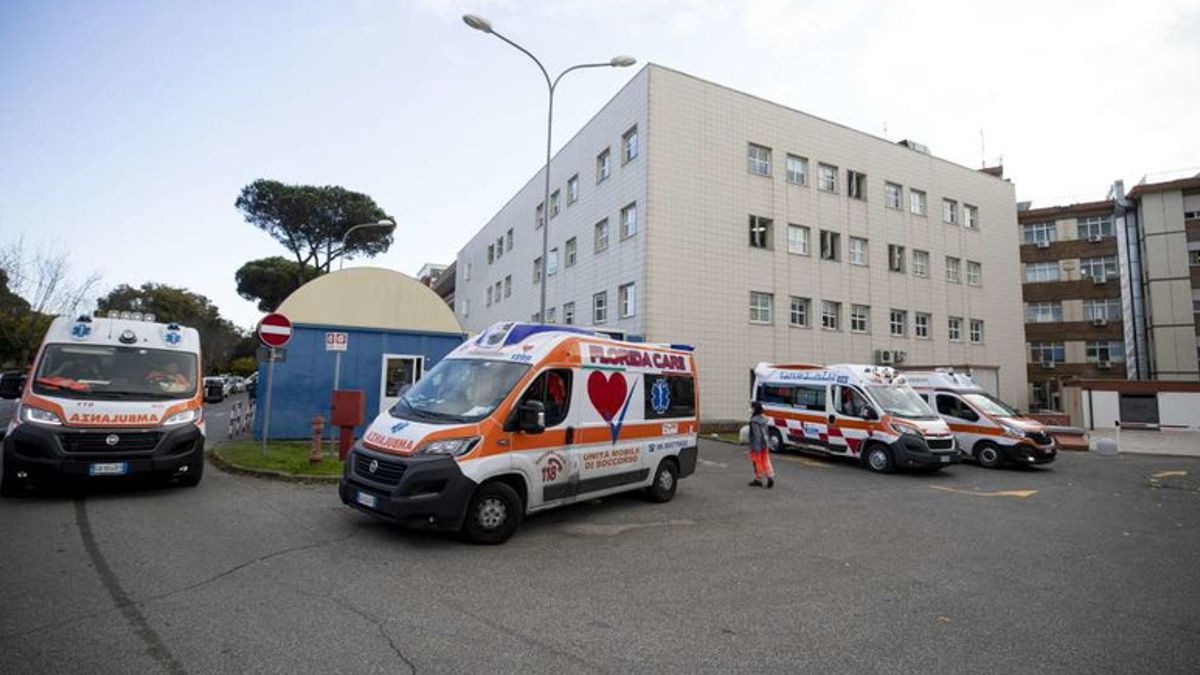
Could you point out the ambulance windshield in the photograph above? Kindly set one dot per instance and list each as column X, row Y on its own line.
column 459, row 390
column 989, row 405
column 125, row 373
column 901, row 401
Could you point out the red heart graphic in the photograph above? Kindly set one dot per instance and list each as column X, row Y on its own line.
column 606, row 393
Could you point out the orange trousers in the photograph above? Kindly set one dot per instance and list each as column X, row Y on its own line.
column 762, row 463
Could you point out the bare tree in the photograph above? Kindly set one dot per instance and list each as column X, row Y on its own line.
column 44, row 278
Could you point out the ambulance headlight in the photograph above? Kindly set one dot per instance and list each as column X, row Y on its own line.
column 902, row 428
column 40, row 416
column 448, row 446
column 1013, row 432
column 182, row 417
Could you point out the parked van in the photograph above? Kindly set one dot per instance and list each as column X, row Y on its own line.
column 523, row 418
column 108, row 397
column 860, row 411
column 988, row 430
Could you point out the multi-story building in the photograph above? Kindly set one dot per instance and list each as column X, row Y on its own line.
column 685, row 211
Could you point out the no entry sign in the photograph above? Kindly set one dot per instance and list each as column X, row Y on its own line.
column 274, row 330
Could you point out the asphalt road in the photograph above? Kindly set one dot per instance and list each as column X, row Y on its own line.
column 1088, row 566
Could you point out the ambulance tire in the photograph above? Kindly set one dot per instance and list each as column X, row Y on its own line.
column 8, row 482
column 666, row 481
column 878, row 458
column 493, row 515
column 989, row 455
column 774, row 440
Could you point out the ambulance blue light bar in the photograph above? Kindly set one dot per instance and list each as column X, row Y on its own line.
column 683, row 347
column 521, row 331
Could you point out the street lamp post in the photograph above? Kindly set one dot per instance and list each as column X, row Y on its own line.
column 483, row 25
column 390, row 224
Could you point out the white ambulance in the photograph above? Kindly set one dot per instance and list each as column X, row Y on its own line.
column 860, row 411
column 107, row 397
column 988, row 430
column 523, row 418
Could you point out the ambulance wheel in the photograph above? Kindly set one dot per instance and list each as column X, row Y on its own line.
column 494, row 514
column 879, row 459
column 666, row 480
column 774, row 440
column 8, row 482
column 989, row 456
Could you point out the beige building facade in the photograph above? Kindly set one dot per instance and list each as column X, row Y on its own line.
column 758, row 233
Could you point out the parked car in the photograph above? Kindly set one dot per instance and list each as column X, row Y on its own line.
column 214, row 389
column 237, row 383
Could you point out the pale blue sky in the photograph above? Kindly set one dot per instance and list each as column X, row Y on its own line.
column 127, row 128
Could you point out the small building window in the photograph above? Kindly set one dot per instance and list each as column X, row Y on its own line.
column 827, row 177
column 921, row 325
column 539, row 216
column 1047, row 352
column 569, row 254
column 917, row 203
column 977, row 331
column 629, row 221
column 860, row 318
column 953, row 270
column 830, row 245
column 800, row 310
column 892, row 195
column 600, row 307
column 1095, row 227
column 858, row 251
column 758, row 159
column 954, row 326
column 569, row 313
column 898, row 323
column 797, row 170
column 831, row 315
column 552, row 262
column 508, row 286
column 572, row 189
column 856, row 184
column 798, row 236
column 970, row 217
column 895, row 258
column 760, row 307
column 949, row 211
column 491, row 253
column 601, row 236
column 1041, row 272
column 627, row 300
column 603, row 166
column 1038, row 233
column 537, row 269
column 508, row 239
column 760, row 232
column 629, row 145
column 1046, row 312
column 974, row 273
column 920, row 263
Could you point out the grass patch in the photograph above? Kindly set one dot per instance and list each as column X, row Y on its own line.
column 287, row 456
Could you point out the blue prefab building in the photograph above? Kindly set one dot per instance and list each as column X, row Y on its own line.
column 396, row 329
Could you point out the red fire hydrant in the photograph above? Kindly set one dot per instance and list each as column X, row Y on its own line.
column 318, row 432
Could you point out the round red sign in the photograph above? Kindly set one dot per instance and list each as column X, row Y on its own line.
column 274, row 330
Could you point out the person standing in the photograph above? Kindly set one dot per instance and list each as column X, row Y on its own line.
column 760, row 454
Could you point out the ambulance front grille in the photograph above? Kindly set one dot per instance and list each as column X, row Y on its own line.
column 115, row 441
column 385, row 473
column 940, row 443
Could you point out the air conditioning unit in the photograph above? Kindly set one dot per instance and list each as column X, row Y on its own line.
column 1099, row 322
column 1048, row 365
column 883, row 356
column 1043, row 244
column 1095, row 239
column 899, row 356
column 1100, row 279
column 1104, row 365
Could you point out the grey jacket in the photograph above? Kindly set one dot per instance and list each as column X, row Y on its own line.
column 758, row 432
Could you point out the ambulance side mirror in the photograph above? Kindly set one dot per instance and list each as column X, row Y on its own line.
column 11, row 385
column 531, row 417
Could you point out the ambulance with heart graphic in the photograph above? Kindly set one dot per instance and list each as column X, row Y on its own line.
column 868, row 413
column 523, row 418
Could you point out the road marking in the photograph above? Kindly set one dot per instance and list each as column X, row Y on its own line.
column 1021, row 494
column 1167, row 474
column 802, row 460
column 719, row 465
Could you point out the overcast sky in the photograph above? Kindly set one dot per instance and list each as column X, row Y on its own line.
column 127, row 128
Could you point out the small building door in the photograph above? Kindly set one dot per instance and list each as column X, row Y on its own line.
column 400, row 371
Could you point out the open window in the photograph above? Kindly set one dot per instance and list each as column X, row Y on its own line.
column 553, row 389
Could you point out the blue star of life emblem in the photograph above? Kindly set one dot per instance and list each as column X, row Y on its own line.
column 660, row 396
column 81, row 330
column 173, row 337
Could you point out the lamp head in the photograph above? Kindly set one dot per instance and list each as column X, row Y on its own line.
column 477, row 22
column 622, row 61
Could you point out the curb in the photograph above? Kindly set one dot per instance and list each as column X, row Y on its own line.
column 225, row 465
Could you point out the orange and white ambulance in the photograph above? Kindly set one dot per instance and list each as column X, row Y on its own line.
column 108, row 396
column 523, row 418
column 988, row 430
column 860, row 411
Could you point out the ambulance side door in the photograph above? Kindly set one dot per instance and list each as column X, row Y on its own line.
column 546, row 457
column 963, row 420
column 849, row 422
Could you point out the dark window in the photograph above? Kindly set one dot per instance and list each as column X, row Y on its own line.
column 803, row 396
column 851, row 403
column 669, row 396
column 953, row 406
column 553, row 389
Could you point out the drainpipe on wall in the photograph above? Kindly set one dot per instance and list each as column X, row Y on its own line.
column 1133, row 304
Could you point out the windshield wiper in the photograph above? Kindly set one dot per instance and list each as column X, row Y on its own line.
column 140, row 395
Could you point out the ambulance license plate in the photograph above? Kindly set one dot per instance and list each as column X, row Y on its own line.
column 109, row 469
column 366, row 500
column 944, row 459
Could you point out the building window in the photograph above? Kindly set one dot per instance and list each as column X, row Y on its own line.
column 856, row 184
column 1040, row 272
column 955, row 328
column 970, row 217
column 491, row 253
column 1095, row 227
column 917, row 203
column 601, row 236
column 551, row 315
column 760, row 307
column 920, row 263
column 831, row 315
column 830, row 243
column 1194, row 258
column 537, row 269
column 1044, row 312
column 572, row 189
column 497, row 293
column 466, row 307
column 977, row 331
column 1108, row 309
column 629, row 223
column 569, row 253
column 860, row 318
column 1101, row 268
column 758, row 159
column 800, row 308
column 539, row 216
column 627, row 300
column 600, row 307
column 552, row 262
column 467, row 272
column 603, row 166
column 569, row 313
column 892, row 195
column 896, row 258
column 508, row 239
column 798, row 239
column 797, row 170
column 921, row 325
column 898, row 323
column 499, row 248
column 827, row 177
column 949, row 211
column 555, row 203
column 760, row 232
column 508, row 286
column 974, row 273
column 953, row 270
column 536, row 317
column 1112, row 351
column 1036, row 233
column 489, row 295
column 1047, row 352
column 858, row 251
column 629, row 145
